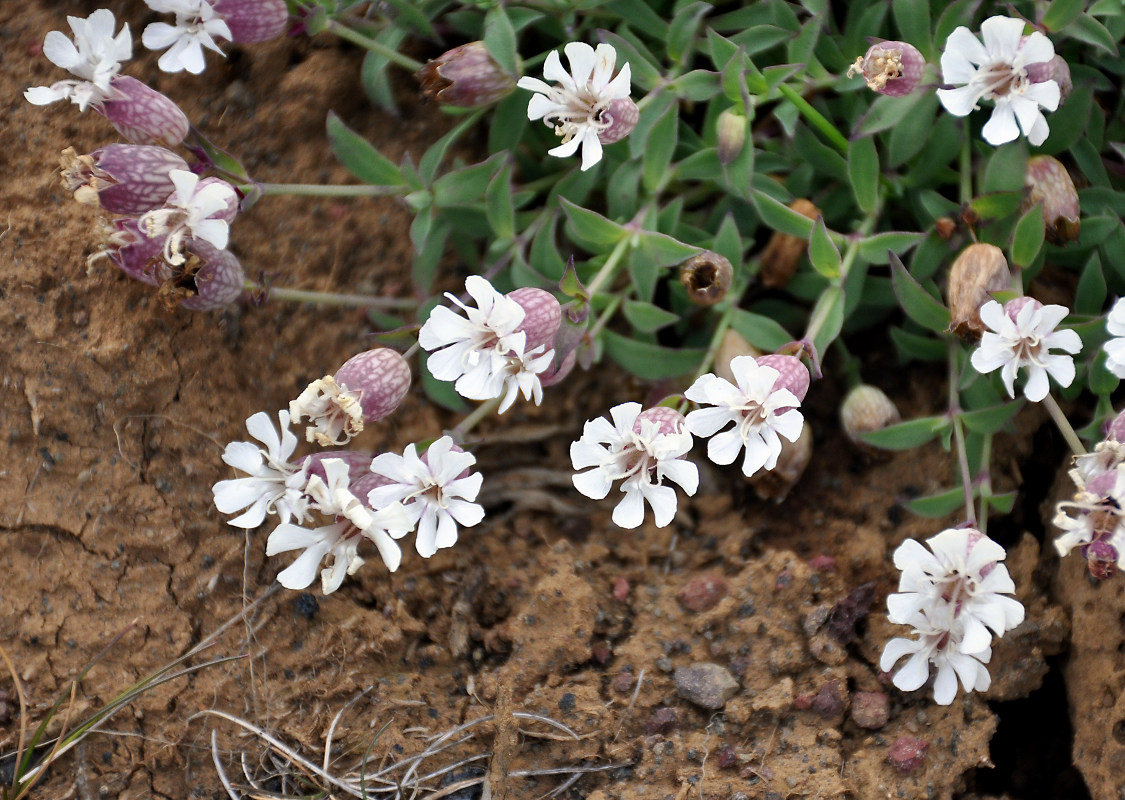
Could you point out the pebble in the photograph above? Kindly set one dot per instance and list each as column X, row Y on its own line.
column 871, row 710
column 705, row 684
column 621, row 589
column 663, row 720
column 829, row 701
column 702, row 594
column 907, row 753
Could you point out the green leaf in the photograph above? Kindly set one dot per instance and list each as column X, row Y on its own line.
column 823, row 254
column 683, row 30
column 508, row 123
column 938, row 505
column 1001, row 503
column 863, row 173
column 918, row 304
column 440, row 392
column 661, row 144
column 1091, row 292
column 913, row 20
column 781, row 217
column 827, row 318
column 759, row 330
column 728, row 243
column 646, row 317
column 1087, row 29
column 359, row 156
column 698, row 85
column 500, row 39
column 428, row 237
column 906, row 435
column 498, row 204
column 544, row 253
column 1102, row 382
column 590, row 229
column 649, row 361
column 991, row 420
column 642, row 16
column 996, row 205
column 875, row 249
column 1006, row 169
column 638, row 139
column 374, row 74
column 1061, row 13
column 433, row 157
column 886, row 112
column 1027, row 238
column 468, row 184
column 643, row 67
column 664, row 250
column 912, row 346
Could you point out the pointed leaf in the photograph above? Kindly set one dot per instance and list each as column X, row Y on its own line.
column 359, row 156
column 918, row 304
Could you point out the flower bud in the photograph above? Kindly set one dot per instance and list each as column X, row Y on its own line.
column 542, row 317
column 143, row 115
column 866, row 408
column 466, row 76
column 890, row 68
column 706, row 277
column 1101, row 559
column 121, row 178
column 366, row 388
column 668, row 419
column 791, row 373
column 732, row 127
column 775, row 484
column 1050, row 185
column 622, row 115
column 783, row 251
column 978, row 271
column 732, row 346
column 253, row 20
column 1056, row 70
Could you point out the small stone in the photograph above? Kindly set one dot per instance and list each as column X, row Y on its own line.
column 623, row 682
column 305, row 605
column 702, row 594
column 870, row 710
column 664, row 664
column 663, row 720
column 705, row 684
column 907, row 753
column 621, row 589
column 822, row 563
column 829, row 701
column 728, row 758
column 567, row 702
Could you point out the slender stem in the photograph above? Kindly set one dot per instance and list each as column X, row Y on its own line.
column 606, row 316
column 389, row 53
column 609, row 268
column 985, row 484
column 818, row 120
column 708, row 361
column 966, row 164
column 331, row 299
column 1064, row 426
column 959, row 435
column 485, row 409
column 328, row 190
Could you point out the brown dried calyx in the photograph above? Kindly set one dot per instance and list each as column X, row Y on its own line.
column 706, row 277
column 980, row 270
column 1050, row 185
column 783, row 251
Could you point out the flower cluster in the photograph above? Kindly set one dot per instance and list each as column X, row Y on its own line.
column 198, row 23
column 953, row 595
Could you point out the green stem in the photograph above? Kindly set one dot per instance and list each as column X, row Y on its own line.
column 331, row 299
column 966, row 165
column 985, row 484
column 959, row 435
column 609, row 268
column 818, row 120
column 606, row 316
column 389, row 53
column 325, row 190
column 1064, row 426
column 466, row 425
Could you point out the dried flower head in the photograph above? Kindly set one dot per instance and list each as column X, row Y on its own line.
column 977, row 272
column 732, row 127
column 466, row 76
column 588, row 107
column 890, row 68
column 121, row 178
column 783, row 250
column 706, row 277
column 1022, row 334
column 866, row 408
column 1050, row 185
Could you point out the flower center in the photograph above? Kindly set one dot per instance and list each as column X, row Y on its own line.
column 1001, row 79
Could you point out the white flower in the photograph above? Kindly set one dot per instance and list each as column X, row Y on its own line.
column 576, row 106
column 760, row 414
column 276, row 485
column 95, row 56
column 1024, row 335
column 436, row 498
column 475, row 350
column 634, row 449
column 339, row 539
column 943, row 647
column 997, row 71
column 1115, row 347
column 190, row 212
column 197, row 24
column 521, row 374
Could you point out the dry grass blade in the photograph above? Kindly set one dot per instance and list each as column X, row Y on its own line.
column 219, row 766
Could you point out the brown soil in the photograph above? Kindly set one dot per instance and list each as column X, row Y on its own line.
column 115, row 413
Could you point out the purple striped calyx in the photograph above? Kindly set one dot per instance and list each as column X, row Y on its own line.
column 143, row 115
column 253, row 20
column 121, row 178
column 890, row 68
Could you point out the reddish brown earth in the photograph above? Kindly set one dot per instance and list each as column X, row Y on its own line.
column 114, row 414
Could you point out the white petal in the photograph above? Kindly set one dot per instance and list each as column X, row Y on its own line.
column 630, row 512
column 1001, row 126
column 1002, row 37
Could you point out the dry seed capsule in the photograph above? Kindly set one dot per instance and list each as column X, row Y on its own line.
column 890, row 68
column 706, row 277
column 1050, row 185
column 866, row 408
column 783, row 251
column 978, row 271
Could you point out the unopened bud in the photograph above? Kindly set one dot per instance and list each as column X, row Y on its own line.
column 121, row 178
column 1050, row 185
column 890, row 68
column 866, row 408
column 668, row 419
column 621, row 115
column 783, row 251
column 706, row 277
column 253, row 20
column 466, row 76
column 791, row 373
column 542, row 317
column 143, row 115
column 732, row 135
column 775, row 484
column 978, row 271
column 732, row 346
column 366, row 388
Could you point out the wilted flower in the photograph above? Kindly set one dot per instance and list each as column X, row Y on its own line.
column 1050, row 185
column 952, row 596
column 197, row 23
column 1024, row 333
column 977, row 272
column 998, row 71
column 586, row 108
column 466, row 76
column 1115, row 347
column 276, row 485
column 95, row 56
column 1093, row 518
column 366, row 388
column 890, row 68
column 641, row 449
column 195, row 210
column 706, row 277
column 759, row 405
column 121, row 178
column 436, row 490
